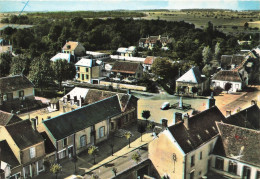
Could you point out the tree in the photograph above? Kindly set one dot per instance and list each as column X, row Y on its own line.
column 92, row 150
column 136, row 157
column 20, row 65
column 41, row 72
column 227, row 86
column 161, row 67
column 217, row 90
column 141, row 129
column 217, row 51
column 207, row 70
column 5, row 60
column 55, row 169
column 63, row 70
column 246, row 25
column 146, row 114
column 194, row 90
column 94, row 176
column 206, row 54
column 128, row 136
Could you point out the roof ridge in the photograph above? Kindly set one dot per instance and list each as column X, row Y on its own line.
column 244, row 128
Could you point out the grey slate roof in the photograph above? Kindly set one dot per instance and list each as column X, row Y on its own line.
column 248, row 118
column 23, row 134
column 14, row 83
column 7, row 154
column 236, row 140
column 227, row 75
column 8, row 118
column 81, row 118
column 202, row 125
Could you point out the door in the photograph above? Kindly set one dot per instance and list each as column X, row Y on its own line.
column 92, row 135
column 70, row 151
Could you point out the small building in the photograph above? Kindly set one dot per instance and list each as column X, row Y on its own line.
column 13, row 91
column 151, row 41
column 127, row 69
column 74, row 48
column 98, row 55
column 185, row 147
column 227, row 76
column 127, row 52
column 63, row 56
column 230, row 62
column 236, row 153
column 148, row 63
column 25, row 147
column 190, row 79
column 88, row 70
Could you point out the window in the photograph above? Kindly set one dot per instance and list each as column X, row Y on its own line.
column 232, row 167
column 258, row 175
column 246, row 172
column 40, row 165
column 32, row 152
column 192, row 175
column 200, row 155
column 101, row 132
column 112, row 126
column 219, row 163
column 87, row 77
column 83, row 141
column 82, row 76
column 64, row 142
column 210, row 148
column 9, row 96
column 62, row 154
column 192, row 162
column 86, row 69
column 21, row 94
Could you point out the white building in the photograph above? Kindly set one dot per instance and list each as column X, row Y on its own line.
column 98, row 55
column 228, row 76
column 62, row 56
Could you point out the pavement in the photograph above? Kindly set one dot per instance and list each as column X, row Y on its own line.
column 85, row 161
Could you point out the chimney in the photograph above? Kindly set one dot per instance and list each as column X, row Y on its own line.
column 177, row 117
column 253, row 102
column 211, row 101
column 33, row 121
column 180, row 103
column 186, row 120
column 228, row 113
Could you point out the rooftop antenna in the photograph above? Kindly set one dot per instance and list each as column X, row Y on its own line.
column 22, row 11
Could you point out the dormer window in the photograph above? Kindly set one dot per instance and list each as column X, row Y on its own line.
column 32, row 152
column 207, row 131
column 65, row 142
column 198, row 136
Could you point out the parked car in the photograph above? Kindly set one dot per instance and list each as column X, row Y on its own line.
column 165, row 105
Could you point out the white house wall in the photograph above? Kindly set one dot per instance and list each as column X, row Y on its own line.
column 235, row 85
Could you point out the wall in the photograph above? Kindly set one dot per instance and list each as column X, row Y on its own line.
column 200, row 165
column 39, row 149
column 69, row 141
column 161, row 151
column 240, row 166
column 82, row 70
column 86, row 132
column 4, row 135
column 123, row 86
column 97, row 126
column 222, row 85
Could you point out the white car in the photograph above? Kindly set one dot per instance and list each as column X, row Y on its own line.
column 165, row 105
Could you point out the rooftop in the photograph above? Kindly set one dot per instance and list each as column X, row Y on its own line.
column 8, row 118
column 125, row 67
column 70, row 45
column 191, row 76
column 227, row 75
column 14, row 83
column 7, row 154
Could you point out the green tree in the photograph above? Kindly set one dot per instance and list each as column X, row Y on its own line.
column 56, row 169
column 146, row 114
column 246, row 25
column 20, row 64
column 161, row 67
column 141, row 129
column 207, row 70
column 5, row 60
column 206, row 54
column 41, row 73
column 194, row 90
column 92, row 150
column 136, row 157
column 114, row 170
column 128, row 136
column 227, row 87
column 217, row 51
column 63, row 71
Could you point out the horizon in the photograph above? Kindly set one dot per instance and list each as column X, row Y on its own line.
column 117, row 5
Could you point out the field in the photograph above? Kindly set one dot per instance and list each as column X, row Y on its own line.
column 226, row 21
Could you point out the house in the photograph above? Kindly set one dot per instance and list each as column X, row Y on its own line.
column 248, row 117
column 127, row 52
column 24, row 148
column 190, row 79
column 236, row 154
column 185, row 147
column 88, row 70
column 14, row 90
column 227, row 76
column 74, row 131
column 74, row 48
column 229, row 62
column 127, row 69
column 151, row 41
column 98, row 55
column 63, row 56
column 148, row 63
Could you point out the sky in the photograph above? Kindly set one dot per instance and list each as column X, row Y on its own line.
column 72, row 5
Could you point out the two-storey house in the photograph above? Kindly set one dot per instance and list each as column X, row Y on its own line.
column 74, row 48
column 26, row 146
column 14, row 90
